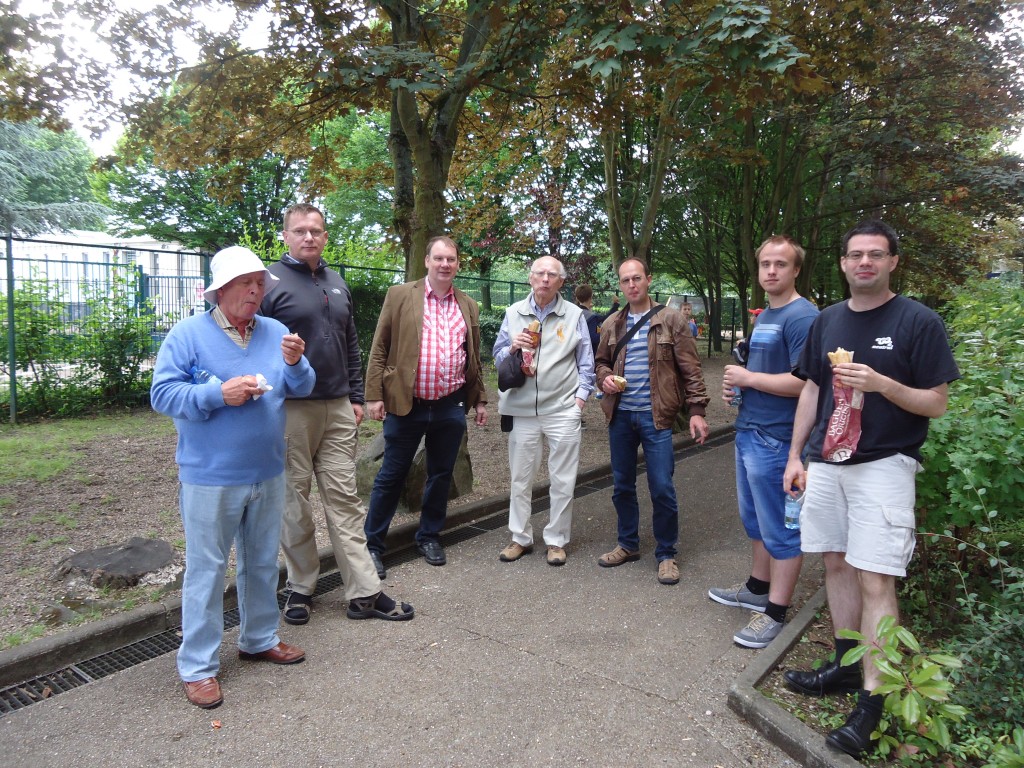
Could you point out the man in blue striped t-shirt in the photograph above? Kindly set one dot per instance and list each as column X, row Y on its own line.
column 646, row 383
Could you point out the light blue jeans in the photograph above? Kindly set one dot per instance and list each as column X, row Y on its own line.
column 760, row 465
column 213, row 516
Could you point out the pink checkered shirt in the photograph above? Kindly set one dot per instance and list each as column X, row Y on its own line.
column 442, row 365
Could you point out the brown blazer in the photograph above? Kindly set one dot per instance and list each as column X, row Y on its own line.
column 395, row 352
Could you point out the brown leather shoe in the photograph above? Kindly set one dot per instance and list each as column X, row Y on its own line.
column 556, row 555
column 205, row 693
column 668, row 572
column 616, row 557
column 282, row 653
column 514, row 551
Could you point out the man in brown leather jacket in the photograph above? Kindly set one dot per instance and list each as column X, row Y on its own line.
column 645, row 381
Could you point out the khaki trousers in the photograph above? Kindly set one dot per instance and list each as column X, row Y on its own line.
column 321, row 440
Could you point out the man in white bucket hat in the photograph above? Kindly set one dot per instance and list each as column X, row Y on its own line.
column 223, row 376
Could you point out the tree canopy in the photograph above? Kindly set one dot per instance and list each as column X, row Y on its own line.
column 44, row 181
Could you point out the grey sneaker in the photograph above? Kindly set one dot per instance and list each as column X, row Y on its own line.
column 738, row 596
column 759, row 632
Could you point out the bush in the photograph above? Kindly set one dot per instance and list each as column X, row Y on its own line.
column 490, row 325
column 974, row 456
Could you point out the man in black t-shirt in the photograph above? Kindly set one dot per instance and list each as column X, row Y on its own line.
column 858, row 508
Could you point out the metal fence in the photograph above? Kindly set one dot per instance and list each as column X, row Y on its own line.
column 169, row 285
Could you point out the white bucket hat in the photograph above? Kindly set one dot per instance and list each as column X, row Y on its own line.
column 231, row 263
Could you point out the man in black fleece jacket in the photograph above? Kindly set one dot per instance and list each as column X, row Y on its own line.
column 321, row 430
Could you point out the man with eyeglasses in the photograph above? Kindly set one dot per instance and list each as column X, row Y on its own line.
column 859, row 512
column 423, row 378
column 651, row 348
column 548, row 405
column 315, row 302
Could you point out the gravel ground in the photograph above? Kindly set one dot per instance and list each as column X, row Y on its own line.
column 121, row 487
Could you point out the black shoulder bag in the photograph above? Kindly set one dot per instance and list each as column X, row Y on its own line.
column 621, row 343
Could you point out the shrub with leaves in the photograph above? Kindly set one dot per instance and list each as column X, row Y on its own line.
column 974, row 456
column 918, row 712
column 116, row 339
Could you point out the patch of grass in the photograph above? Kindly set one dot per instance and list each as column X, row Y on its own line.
column 32, row 538
column 46, row 449
column 26, row 635
column 6, row 502
column 56, row 540
column 67, row 521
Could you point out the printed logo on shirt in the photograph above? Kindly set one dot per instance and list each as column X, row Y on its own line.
column 560, row 332
column 883, row 342
column 335, row 290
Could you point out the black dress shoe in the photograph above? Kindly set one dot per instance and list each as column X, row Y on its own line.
column 854, row 738
column 432, row 552
column 382, row 572
column 831, row 678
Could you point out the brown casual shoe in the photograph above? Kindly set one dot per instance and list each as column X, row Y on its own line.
column 282, row 653
column 556, row 555
column 204, row 693
column 514, row 551
column 668, row 572
column 617, row 556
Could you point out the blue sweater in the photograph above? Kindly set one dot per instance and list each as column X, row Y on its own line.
column 220, row 444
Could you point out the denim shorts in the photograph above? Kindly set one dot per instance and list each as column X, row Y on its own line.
column 865, row 510
column 760, row 466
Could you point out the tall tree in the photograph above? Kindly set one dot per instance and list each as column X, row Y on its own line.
column 207, row 207
column 44, row 182
column 324, row 59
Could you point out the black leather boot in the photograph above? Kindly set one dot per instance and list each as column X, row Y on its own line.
column 854, row 738
column 831, row 678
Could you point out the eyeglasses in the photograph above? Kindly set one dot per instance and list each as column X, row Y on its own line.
column 858, row 255
column 544, row 273
column 630, row 280
column 301, row 233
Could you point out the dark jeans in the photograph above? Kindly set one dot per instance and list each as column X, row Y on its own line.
column 441, row 424
column 626, row 433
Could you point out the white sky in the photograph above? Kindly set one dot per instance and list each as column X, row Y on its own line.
column 78, row 35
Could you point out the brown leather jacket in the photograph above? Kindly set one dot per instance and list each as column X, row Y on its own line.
column 676, row 376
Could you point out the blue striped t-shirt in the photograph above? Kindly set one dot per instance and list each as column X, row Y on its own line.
column 637, row 396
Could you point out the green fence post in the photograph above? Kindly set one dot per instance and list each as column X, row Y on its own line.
column 13, row 381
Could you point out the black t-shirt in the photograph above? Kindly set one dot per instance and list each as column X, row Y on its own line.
column 901, row 339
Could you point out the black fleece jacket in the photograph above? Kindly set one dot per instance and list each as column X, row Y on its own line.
column 317, row 305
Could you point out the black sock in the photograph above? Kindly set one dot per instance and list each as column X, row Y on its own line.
column 757, row 587
column 843, row 645
column 776, row 612
column 871, row 703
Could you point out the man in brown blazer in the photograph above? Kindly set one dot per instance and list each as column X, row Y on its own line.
column 423, row 376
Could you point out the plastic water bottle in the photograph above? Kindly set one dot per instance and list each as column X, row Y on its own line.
column 202, row 376
column 737, row 397
column 793, row 505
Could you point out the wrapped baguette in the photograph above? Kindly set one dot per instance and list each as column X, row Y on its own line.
column 530, row 353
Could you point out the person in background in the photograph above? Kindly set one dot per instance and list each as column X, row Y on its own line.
column 687, row 310
column 858, row 509
column 223, row 377
column 322, row 427
column 424, row 375
column 584, row 295
column 764, row 428
column 648, row 369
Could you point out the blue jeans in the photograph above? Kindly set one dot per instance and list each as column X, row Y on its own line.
column 626, row 433
column 213, row 516
column 442, row 427
column 760, row 465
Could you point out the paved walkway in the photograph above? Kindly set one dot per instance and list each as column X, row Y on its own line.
column 509, row 664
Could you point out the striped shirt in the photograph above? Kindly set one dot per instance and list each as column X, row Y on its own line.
column 637, row 396
column 442, row 365
column 232, row 331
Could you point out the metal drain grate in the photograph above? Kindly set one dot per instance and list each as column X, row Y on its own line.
column 17, row 697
